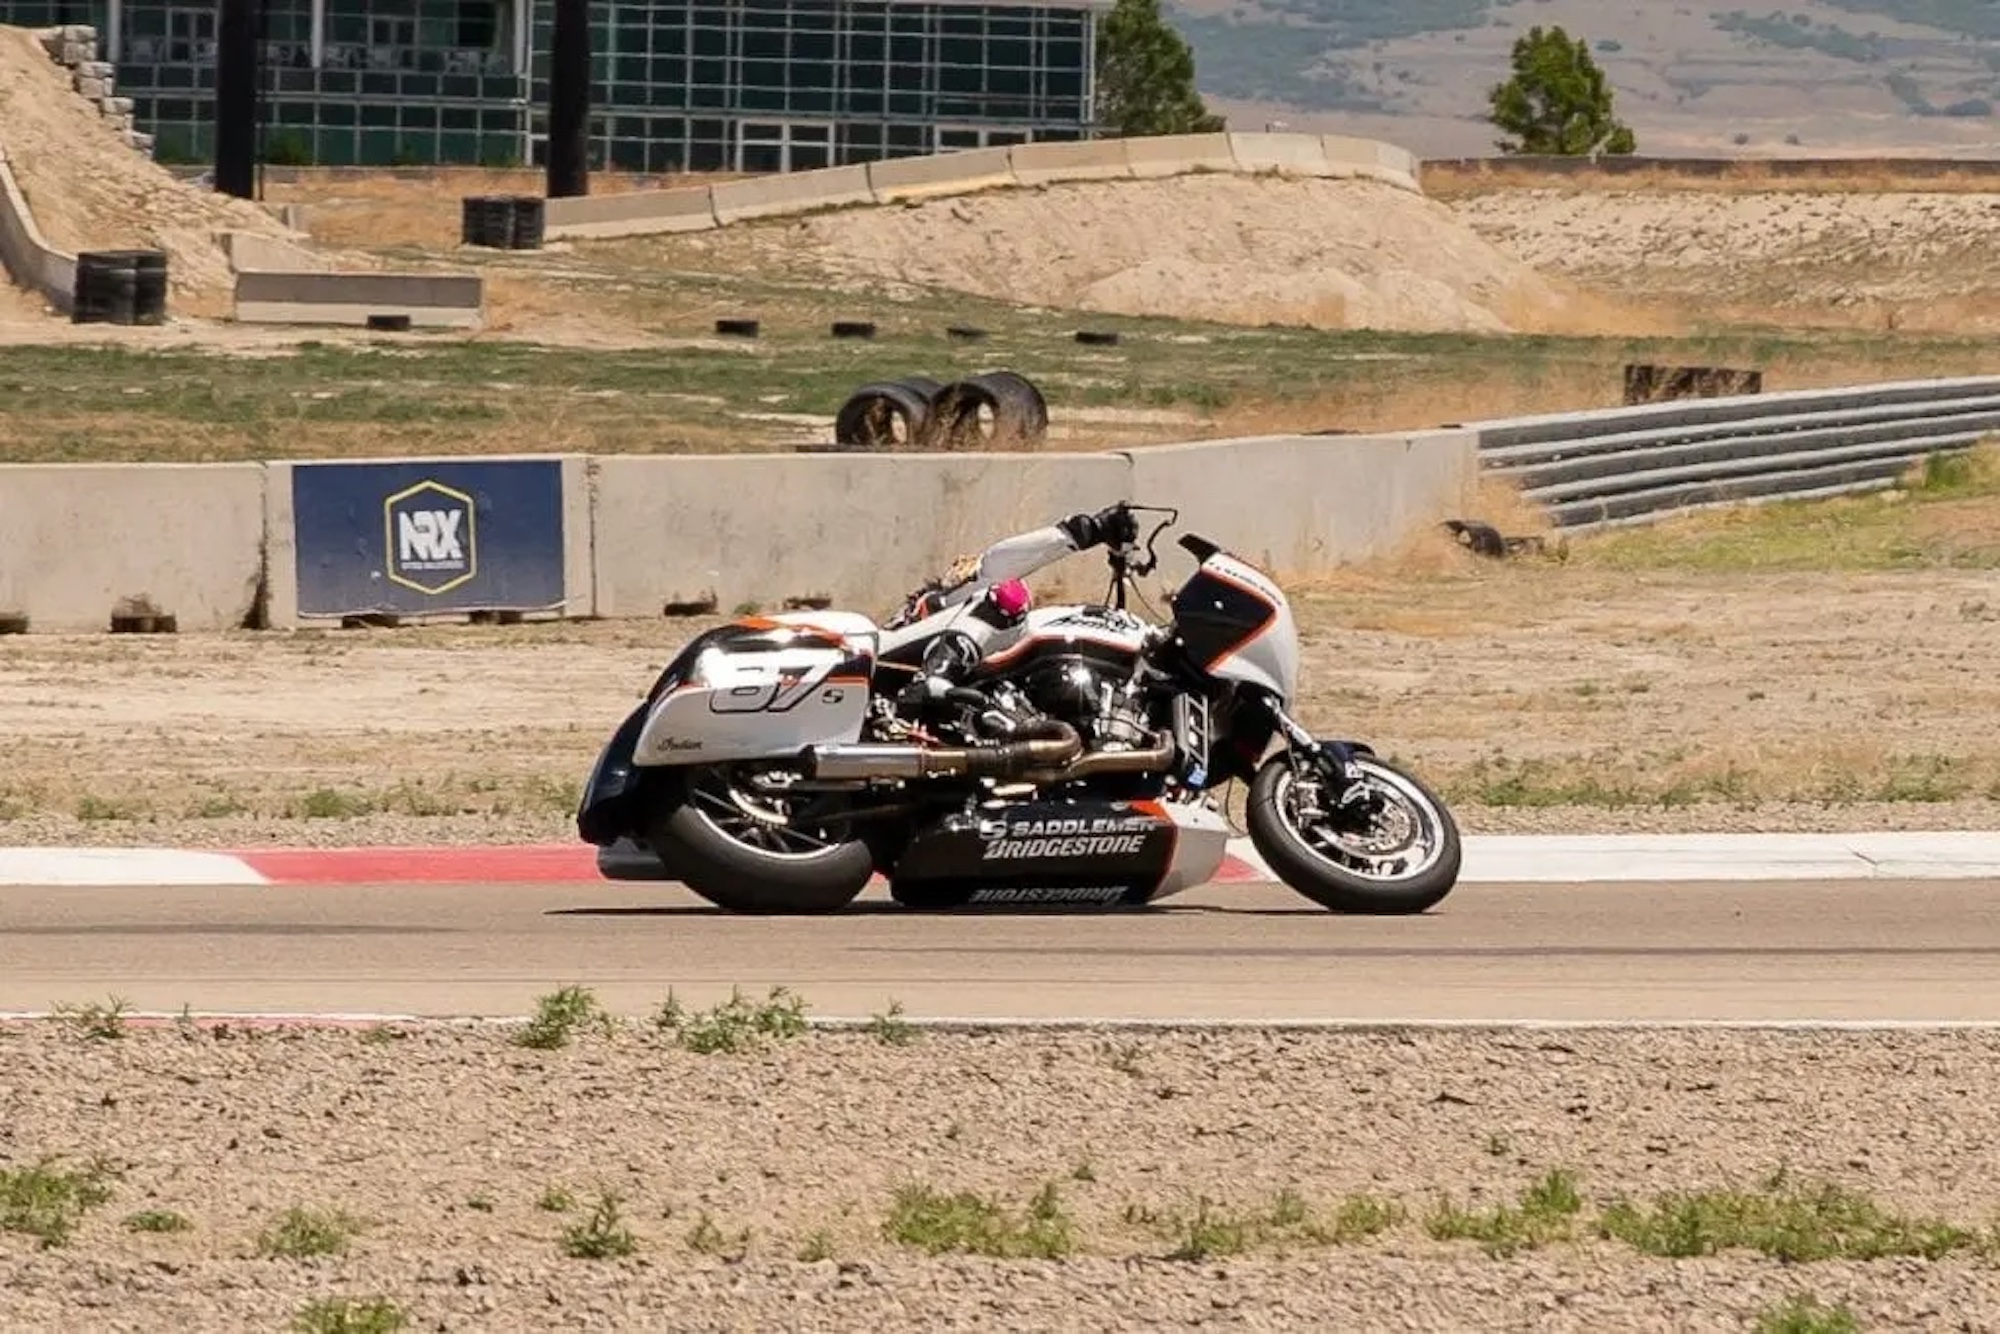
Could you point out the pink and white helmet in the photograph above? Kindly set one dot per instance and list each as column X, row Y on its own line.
column 1011, row 598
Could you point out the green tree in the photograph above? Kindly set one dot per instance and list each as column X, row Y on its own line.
column 1145, row 76
column 1558, row 101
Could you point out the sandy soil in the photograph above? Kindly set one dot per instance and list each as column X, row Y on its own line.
column 1544, row 698
column 1248, row 250
column 90, row 190
column 1916, row 261
column 443, row 1143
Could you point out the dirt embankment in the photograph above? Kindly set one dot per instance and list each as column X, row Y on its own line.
column 90, row 190
column 1912, row 260
column 1234, row 249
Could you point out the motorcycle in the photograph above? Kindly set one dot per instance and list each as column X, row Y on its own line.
column 771, row 770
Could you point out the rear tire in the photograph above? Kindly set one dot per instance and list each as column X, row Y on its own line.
column 1408, row 871
column 724, row 844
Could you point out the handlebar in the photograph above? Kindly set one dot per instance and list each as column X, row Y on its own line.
column 1120, row 555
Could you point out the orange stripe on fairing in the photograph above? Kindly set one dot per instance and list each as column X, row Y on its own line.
column 1001, row 659
column 1270, row 615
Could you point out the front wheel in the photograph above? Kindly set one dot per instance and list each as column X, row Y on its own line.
column 740, row 840
column 1385, row 846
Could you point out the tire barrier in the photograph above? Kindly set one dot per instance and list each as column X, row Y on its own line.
column 502, row 222
column 887, row 414
column 853, row 329
column 120, row 287
column 1483, row 539
column 1097, row 337
column 737, row 328
column 988, row 411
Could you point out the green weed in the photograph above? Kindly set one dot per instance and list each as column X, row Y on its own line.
column 347, row 1315
column 736, row 1025
column 46, row 1202
column 602, row 1236
column 301, row 1233
column 558, row 1017
column 1544, row 1213
column 964, row 1223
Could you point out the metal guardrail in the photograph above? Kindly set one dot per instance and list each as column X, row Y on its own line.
column 1633, row 465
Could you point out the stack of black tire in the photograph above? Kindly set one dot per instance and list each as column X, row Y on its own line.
column 994, row 410
column 120, row 287
column 502, row 222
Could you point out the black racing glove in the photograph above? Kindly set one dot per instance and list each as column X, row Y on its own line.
column 1113, row 526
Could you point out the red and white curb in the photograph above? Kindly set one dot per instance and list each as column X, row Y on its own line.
column 1489, row 859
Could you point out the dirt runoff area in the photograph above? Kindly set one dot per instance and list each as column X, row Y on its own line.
column 919, row 1180
column 1541, row 697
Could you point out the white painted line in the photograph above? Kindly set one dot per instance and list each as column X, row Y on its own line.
column 1623, row 858
column 1190, row 1024
column 121, row 867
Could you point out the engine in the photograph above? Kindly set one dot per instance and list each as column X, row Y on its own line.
column 1097, row 702
column 1104, row 705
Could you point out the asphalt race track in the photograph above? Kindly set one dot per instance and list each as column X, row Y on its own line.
column 1842, row 950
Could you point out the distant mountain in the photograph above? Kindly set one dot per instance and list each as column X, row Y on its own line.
column 1809, row 77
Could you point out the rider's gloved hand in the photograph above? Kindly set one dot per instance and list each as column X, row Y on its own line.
column 1113, row 526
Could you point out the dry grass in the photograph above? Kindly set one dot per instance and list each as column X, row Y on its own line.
column 1749, row 176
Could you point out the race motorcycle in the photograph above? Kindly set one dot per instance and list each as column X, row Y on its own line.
column 773, row 767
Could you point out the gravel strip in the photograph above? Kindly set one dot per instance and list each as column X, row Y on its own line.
column 445, row 1141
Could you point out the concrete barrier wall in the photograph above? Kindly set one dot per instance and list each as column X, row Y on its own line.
column 738, row 530
column 31, row 261
column 765, row 196
column 862, row 529
column 75, row 539
column 698, row 208
column 1302, row 505
column 432, row 300
column 688, row 208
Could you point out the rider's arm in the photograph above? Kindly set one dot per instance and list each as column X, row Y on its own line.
column 1019, row 556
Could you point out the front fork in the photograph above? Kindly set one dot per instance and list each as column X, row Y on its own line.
column 1333, row 759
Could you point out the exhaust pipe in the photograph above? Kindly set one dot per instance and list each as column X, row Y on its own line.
column 1059, row 745
column 1108, row 762
column 1055, row 757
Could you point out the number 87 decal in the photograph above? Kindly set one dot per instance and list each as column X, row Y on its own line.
column 782, row 694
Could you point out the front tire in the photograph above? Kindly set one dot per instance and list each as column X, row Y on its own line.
column 747, row 850
column 1402, row 858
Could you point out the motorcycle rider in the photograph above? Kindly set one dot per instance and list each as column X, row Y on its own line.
column 995, row 577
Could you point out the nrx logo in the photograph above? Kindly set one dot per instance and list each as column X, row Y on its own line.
column 431, row 536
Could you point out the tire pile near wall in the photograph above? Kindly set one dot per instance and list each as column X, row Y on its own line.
column 995, row 410
column 502, row 222
column 120, row 287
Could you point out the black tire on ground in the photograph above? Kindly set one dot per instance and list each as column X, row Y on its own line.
column 888, row 414
column 740, row 880
column 1334, row 887
column 992, row 410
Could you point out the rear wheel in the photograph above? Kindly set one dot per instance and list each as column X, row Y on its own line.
column 1385, row 846
column 739, row 839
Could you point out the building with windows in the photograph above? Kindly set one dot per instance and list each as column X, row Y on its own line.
column 680, row 85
